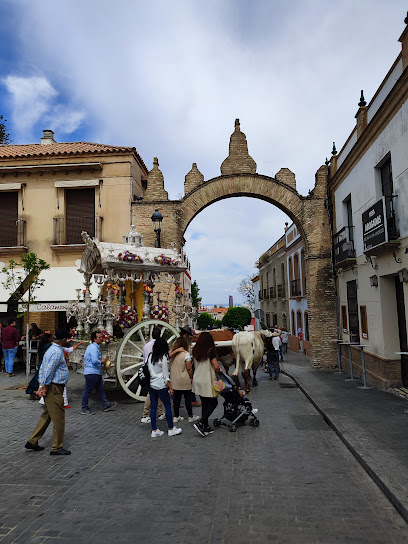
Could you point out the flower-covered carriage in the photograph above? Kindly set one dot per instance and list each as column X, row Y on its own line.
column 131, row 278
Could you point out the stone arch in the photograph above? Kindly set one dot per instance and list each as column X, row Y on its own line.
column 239, row 178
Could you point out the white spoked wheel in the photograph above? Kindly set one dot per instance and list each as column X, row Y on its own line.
column 129, row 357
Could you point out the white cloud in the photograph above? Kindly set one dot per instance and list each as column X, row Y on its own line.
column 170, row 78
column 33, row 100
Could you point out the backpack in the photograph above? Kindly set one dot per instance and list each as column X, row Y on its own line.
column 144, row 374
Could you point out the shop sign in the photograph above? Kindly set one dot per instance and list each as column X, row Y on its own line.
column 48, row 307
column 374, row 227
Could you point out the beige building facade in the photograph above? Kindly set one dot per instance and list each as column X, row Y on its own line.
column 49, row 193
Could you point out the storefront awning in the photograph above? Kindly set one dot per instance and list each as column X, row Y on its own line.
column 60, row 284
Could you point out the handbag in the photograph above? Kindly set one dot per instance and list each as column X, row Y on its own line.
column 144, row 375
column 217, row 385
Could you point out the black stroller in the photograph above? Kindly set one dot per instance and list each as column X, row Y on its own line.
column 237, row 409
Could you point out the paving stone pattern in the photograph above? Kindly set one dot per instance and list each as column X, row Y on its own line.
column 290, row 480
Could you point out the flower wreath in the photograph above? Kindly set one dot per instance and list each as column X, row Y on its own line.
column 130, row 257
column 160, row 312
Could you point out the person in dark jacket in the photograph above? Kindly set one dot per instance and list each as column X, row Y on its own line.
column 10, row 339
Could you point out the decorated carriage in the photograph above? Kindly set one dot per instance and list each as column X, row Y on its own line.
column 131, row 278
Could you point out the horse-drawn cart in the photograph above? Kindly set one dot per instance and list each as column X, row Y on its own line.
column 129, row 276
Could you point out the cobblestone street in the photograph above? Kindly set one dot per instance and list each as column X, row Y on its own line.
column 290, row 480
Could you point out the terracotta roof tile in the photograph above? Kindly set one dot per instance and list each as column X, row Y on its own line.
column 66, row 148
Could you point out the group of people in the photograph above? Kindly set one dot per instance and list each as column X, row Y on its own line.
column 276, row 346
column 174, row 373
column 52, row 379
column 10, row 342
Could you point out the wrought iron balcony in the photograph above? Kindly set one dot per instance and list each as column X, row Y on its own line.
column 295, row 288
column 12, row 233
column 281, row 290
column 343, row 244
column 67, row 230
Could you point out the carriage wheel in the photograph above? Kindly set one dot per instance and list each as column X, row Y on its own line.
column 129, row 356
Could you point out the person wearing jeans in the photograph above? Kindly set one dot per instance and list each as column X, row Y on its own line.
column 93, row 375
column 10, row 339
column 160, row 386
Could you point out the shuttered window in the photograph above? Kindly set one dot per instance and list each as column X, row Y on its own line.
column 8, row 218
column 80, row 214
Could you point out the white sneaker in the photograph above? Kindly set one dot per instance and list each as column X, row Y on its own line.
column 145, row 419
column 193, row 419
column 163, row 416
column 156, row 433
column 177, row 419
column 174, row 431
column 254, row 410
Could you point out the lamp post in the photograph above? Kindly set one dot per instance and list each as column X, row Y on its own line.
column 157, row 219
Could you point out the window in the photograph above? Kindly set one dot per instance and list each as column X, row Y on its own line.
column 363, row 317
column 274, row 320
column 387, row 187
column 352, row 304
column 293, row 323
column 268, row 320
column 344, row 318
column 80, row 214
column 8, row 218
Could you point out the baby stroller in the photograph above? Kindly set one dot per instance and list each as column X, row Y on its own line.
column 237, row 409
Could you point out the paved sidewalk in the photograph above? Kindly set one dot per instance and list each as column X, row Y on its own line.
column 370, row 422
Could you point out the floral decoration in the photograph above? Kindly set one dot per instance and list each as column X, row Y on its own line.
column 106, row 337
column 127, row 316
column 147, row 290
column 163, row 260
column 74, row 333
column 160, row 312
column 112, row 288
column 130, row 257
column 179, row 291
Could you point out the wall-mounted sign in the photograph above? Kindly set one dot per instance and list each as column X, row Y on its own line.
column 47, row 307
column 374, row 225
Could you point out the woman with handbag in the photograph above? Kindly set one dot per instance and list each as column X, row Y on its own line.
column 205, row 368
column 181, row 375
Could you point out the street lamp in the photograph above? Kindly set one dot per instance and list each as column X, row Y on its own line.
column 157, row 219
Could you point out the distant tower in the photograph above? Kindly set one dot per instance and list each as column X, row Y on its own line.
column 231, row 301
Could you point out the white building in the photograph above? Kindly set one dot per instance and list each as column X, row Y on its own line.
column 369, row 193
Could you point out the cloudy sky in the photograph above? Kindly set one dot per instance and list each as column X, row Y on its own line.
column 171, row 77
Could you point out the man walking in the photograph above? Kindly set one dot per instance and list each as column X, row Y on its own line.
column 53, row 376
column 10, row 339
column 272, row 355
column 93, row 375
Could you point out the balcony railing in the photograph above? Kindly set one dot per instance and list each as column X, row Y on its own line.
column 344, row 245
column 67, row 230
column 12, row 232
column 281, row 291
column 295, row 288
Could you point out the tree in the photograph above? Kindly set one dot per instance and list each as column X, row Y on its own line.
column 22, row 280
column 246, row 289
column 204, row 321
column 4, row 135
column 237, row 317
column 195, row 291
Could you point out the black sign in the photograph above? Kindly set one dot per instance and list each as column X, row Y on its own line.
column 374, row 227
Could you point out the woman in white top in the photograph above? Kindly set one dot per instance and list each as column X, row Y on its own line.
column 160, row 386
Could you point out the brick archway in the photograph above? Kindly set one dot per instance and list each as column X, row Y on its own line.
column 239, row 179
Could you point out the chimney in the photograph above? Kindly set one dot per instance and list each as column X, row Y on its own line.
column 48, row 138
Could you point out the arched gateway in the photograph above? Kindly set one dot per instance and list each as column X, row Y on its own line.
column 239, row 178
